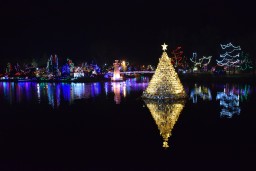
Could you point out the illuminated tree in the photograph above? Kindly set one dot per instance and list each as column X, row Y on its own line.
column 230, row 59
column 177, row 57
column 246, row 63
column 165, row 83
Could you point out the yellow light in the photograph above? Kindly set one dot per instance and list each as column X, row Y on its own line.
column 165, row 83
column 165, row 114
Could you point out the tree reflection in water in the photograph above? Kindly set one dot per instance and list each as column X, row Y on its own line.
column 229, row 100
column 165, row 114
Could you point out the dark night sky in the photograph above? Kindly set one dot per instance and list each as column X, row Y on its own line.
column 133, row 30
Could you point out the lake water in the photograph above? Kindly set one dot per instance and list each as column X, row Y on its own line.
column 106, row 126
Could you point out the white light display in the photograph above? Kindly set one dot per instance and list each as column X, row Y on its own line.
column 200, row 62
column 231, row 57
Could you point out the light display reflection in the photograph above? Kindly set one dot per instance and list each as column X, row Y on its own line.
column 229, row 101
column 122, row 89
column 55, row 94
column 202, row 92
column 165, row 115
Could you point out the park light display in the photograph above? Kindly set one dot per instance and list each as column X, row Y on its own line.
column 176, row 58
column 8, row 68
column 165, row 114
column 165, row 83
column 200, row 62
column 202, row 92
column 195, row 61
column 246, row 62
column 116, row 74
column 231, row 57
column 229, row 100
column 52, row 65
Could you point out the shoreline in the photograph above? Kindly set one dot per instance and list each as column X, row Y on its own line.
column 183, row 77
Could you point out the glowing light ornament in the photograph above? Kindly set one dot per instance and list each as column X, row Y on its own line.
column 165, row 83
column 231, row 58
column 165, row 114
column 116, row 74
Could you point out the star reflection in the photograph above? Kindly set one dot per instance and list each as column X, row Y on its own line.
column 165, row 114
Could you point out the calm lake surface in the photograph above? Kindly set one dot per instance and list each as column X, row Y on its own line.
column 106, row 126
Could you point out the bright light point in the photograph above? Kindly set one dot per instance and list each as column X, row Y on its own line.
column 164, row 47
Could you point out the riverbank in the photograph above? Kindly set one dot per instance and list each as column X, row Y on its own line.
column 188, row 77
column 236, row 78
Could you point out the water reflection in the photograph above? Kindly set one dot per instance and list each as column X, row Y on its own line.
column 165, row 115
column 202, row 92
column 229, row 101
column 121, row 89
column 118, row 88
column 56, row 93
column 12, row 92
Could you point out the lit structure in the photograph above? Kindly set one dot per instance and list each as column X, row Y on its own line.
column 116, row 74
column 165, row 114
column 194, row 60
column 52, row 65
column 165, row 83
column 231, row 58
column 200, row 62
column 201, row 91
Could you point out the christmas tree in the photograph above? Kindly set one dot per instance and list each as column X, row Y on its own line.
column 165, row 83
column 165, row 115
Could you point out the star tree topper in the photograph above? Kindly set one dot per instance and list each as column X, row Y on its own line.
column 164, row 47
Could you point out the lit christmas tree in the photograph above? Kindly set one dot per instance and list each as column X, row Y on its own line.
column 165, row 83
column 165, row 115
column 230, row 59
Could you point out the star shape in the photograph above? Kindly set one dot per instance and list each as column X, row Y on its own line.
column 164, row 47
